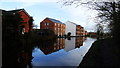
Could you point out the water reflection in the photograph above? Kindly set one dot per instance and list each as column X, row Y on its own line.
column 48, row 47
column 15, row 54
column 62, row 51
column 73, row 43
column 24, row 55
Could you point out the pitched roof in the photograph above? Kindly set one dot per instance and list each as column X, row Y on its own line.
column 72, row 22
column 17, row 10
column 54, row 20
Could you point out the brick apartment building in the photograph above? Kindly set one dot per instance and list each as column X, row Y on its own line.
column 55, row 25
column 27, row 20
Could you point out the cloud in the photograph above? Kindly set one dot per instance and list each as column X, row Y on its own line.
column 81, row 16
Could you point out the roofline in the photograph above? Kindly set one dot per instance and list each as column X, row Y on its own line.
column 25, row 12
column 54, row 19
column 72, row 22
column 19, row 11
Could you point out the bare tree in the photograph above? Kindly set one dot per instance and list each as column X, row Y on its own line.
column 108, row 13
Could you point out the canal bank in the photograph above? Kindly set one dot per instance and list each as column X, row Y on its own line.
column 103, row 53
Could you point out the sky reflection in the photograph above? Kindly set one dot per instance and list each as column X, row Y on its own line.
column 62, row 57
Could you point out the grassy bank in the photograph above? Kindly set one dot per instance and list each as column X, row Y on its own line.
column 103, row 53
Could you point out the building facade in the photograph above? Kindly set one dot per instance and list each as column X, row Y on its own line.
column 70, row 28
column 74, row 29
column 26, row 22
column 55, row 25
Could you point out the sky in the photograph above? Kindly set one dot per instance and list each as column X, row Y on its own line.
column 40, row 9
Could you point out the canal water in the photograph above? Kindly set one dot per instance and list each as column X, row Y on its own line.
column 62, row 52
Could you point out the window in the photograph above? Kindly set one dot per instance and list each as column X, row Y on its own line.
column 48, row 23
column 55, row 28
column 58, row 25
column 23, row 30
column 55, row 24
column 45, row 24
column 58, row 29
column 61, row 33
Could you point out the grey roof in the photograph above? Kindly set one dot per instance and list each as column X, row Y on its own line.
column 56, row 21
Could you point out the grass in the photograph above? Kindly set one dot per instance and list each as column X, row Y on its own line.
column 103, row 53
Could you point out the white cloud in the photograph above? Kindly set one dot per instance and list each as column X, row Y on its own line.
column 81, row 16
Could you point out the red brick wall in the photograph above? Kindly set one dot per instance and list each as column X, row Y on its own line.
column 63, row 29
column 25, row 18
column 56, row 27
column 50, row 26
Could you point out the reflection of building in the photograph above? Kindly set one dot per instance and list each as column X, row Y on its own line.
column 55, row 25
column 79, row 41
column 86, row 33
column 69, row 44
column 75, row 42
column 48, row 48
column 26, row 22
column 92, row 33
column 14, row 54
column 78, row 31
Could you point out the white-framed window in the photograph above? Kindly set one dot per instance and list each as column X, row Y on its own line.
column 55, row 29
column 61, row 33
column 45, row 24
column 55, row 24
column 48, row 23
column 58, row 25
column 58, row 29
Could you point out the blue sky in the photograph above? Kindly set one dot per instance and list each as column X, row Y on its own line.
column 41, row 9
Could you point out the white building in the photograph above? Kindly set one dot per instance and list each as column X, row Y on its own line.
column 70, row 27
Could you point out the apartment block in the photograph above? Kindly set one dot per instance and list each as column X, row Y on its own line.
column 55, row 25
